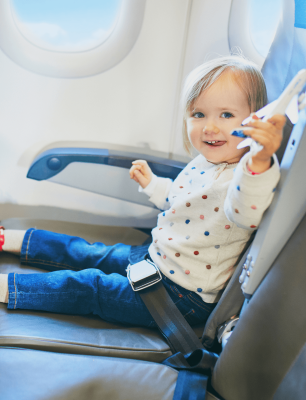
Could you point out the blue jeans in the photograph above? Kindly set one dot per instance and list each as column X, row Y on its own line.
column 90, row 279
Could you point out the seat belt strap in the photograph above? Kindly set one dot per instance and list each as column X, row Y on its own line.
column 170, row 321
column 193, row 362
column 190, row 386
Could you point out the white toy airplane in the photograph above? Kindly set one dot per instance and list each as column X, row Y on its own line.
column 290, row 102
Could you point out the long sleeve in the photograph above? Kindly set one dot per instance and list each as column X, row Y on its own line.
column 196, row 244
column 249, row 195
column 158, row 190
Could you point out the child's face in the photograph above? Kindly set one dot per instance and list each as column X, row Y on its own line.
column 216, row 112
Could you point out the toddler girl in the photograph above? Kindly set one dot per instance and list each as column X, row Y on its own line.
column 211, row 210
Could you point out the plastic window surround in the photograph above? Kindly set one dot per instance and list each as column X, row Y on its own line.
column 78, row 64
column 239, row 34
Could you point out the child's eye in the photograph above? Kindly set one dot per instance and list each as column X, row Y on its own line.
column 226, row 115
column 198, row 115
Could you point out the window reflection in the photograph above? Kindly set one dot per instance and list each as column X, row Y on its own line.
column 66, row 25
column 264, row 19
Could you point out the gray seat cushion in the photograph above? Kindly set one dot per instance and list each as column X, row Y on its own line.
column 92, row 233
column 39, row 375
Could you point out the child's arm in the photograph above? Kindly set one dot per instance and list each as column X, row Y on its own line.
column 252, row 189
column 155, row 187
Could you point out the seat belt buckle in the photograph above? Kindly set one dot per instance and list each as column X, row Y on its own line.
column 226, row 328
column 143, row 274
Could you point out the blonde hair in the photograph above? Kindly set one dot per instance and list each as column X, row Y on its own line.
column 246, row 74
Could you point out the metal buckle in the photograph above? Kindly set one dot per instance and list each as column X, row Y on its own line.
column 226, row 327
column 143, row 274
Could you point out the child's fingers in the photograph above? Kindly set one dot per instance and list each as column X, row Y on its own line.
column 143, row 163
column 143, row 167
column 135, row 176
column 278, row 121
column 266, row 135
column 133, row 169
column 259, row 124
column 270, row 129
column 141, row 172
column 263, row 137
column 268, row 140
column 141, row 179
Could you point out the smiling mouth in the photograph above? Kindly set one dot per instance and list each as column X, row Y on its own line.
column 215, row 143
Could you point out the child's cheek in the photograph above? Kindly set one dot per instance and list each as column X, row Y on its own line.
column 190, row 130
column 234, row 140
column 193, row 137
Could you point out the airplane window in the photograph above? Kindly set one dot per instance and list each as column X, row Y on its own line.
column 252, row 27
column 69, row 38
column 66, row 25
column 264, row 18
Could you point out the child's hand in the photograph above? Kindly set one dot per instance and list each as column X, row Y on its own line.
column 141, row 173
column 270, row 135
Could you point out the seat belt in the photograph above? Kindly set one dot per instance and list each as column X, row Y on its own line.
column 194, row 363
column 170, row 320
column 190, row 386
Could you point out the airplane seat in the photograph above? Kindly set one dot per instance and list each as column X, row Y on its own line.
column 44, row 375
column 265, row 358
column 269, row 340
column 262, row 359
column 287, row 56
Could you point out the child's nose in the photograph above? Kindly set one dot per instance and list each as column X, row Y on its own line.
column 211, row 128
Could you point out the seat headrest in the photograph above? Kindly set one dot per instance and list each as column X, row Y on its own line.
column 287, row 54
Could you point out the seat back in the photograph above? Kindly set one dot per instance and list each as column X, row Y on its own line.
column 287, row 54
column 270, row 334
column 267, row 347
column 286, row 57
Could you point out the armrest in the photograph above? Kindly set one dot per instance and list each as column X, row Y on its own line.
column 100, row 171
column 52, row 162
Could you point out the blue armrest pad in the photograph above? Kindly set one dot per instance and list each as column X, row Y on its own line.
column 51, row 162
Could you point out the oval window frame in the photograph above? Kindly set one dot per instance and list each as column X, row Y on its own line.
column 239, row 34
column 78, row 64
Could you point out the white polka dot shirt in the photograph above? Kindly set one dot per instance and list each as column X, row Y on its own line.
column 210, row 213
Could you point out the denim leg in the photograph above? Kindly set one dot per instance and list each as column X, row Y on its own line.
column 97, row 283
column 92, row 291
column 53, row 251
column 104, row 290
column 88, row 291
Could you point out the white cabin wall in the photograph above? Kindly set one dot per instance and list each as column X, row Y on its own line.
column 125, row 104
column 134, row 104
column 207, row 37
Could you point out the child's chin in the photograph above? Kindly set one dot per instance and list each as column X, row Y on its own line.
column 213, row 159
